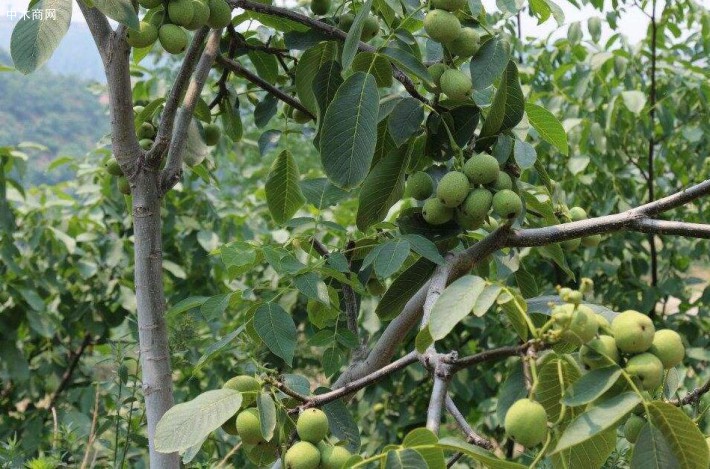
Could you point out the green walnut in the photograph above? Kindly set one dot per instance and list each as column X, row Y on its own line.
column 302, row 455
column 220, row 14
column 332, row 457
column 113, row 168
column 591, row 241
column 419, row 186
column 482, row 169
column 248, row 426
column 647, row 368
column 320, row 7
column 212, row 134
column 599, row 352
column 452, row 189
column 633, row 331
column 146, row 130
column 442, row 26
column 633, row 427
column 173, row 38
column 145, row 36
column 312, row 425
column 436, row 213
column 145, row 143
column 247, row 385
column 668, row 347
column 370, row 28
column 478, row 203
column 435, row 71
column 526, row 422
column 345, row 22
column 200, row 16
column 263, row 453
column 300, row 116
column 156, row 17
column 448, row 5
column 230, row 426
column 466, row 43
column 180, row 12
column 455, row 84
column 507, row 204
column 577, row 214
column 578, row 323
column 503, row 181
column 466, row 221
column 124, row 186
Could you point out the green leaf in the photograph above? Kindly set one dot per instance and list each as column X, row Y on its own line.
column 342, row 424
column 486, row 299
column 325, row 85
column 454, row 304
column 489, row 62
column 215, row 306
column 424, row 247
column 211, row 351
column 526, row 283
column 591, row 386
column 308, row 66
column 525, row 154
column 266, row 65
column 507, row 108
column 34, row 40
column 321, row 193
column 312, row 287
column 515, row 308
column 408, row 62
column 592, row 453
column 382, row 188
column 634, row 101
column 267, row 415
column 554, row 252
column 405, row 120
column 554, row 377
column 231, row 120
column 434, row 457
column 652, row 451
column 353, row 38
column 276, row 329
column 403, row 288
column 187, row 424
column 404, row 459
column 682, row 434
column 349, row 131
column 477, row 454
column 283, row 193
column 119, row 10
column 375, row 64
column 547, row 126
column 186, row 304
column 598, row 418
column 390, row 257
column 512, row 389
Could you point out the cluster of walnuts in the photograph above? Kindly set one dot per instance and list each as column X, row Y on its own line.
column 169, row 21
column 468, row 195
column 630, row 341
column 313, row 451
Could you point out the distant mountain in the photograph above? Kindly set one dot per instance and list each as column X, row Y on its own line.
column 76, row 55
column 65, row 114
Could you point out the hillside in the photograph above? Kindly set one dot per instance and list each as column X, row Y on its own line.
column 62, row 113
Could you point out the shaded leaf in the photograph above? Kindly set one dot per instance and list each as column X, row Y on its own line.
column 283, row 192
column 276, row 329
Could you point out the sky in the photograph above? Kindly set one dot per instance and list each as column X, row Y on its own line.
column 633, row 24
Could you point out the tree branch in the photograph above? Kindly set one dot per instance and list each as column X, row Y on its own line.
column 173, row 168
column 678, row 228
column 495, row 354
column 436, row 404
column 236, row 68
column 100, row 29
column 67, row 376
column 172, row 103
column 328, row 30
column 471, row 436
column 693, row 396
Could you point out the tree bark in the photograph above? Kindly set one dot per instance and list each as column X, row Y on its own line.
column 150, row 299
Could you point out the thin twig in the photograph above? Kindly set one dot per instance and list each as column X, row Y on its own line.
column 693, row 396
column 92, row 432
column 471, row 436
column 328, row 30
column 237, row 69
column 226, row 457
column 172, row 103
column 69, row 372
column 173, row 168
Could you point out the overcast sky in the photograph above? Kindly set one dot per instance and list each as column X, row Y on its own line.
column 633, row 24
